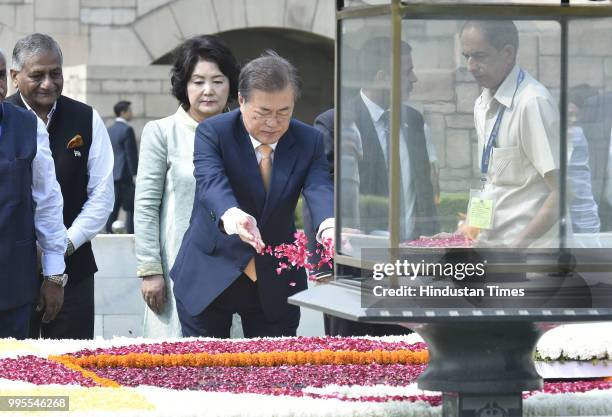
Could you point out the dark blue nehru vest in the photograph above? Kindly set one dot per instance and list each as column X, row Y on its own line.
column 18, row 278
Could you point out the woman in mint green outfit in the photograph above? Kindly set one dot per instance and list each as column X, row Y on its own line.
column 204, row 77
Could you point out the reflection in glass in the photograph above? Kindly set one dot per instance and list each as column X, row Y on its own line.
column 454, row 83
column 582, row 205
column 590, row 119
column 364, row 202
column 517, row 127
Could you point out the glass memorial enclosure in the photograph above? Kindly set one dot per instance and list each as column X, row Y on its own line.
column 409, row 149
column 473, row 182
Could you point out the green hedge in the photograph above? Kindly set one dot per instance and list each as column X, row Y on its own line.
column 451, row 204
column 299, row 220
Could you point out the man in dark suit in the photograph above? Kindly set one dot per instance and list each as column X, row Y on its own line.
column 83, row 160
column 596, row 121
column 367, row 114
column 123, row 141
column 30, row 211
column 369, row 111
column 251, row 165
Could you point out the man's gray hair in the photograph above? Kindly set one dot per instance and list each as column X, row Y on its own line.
column 34, row 45
column 498, row 33
column 270, row 73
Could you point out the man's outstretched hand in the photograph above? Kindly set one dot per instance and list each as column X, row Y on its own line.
column 329, row 235
column 249, row 233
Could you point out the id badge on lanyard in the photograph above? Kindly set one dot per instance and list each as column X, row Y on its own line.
column 480, row 210
column 481, row 207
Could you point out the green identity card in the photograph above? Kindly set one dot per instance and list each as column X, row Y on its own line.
column 480, row 210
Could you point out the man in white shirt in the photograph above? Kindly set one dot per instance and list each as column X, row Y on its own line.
column 83, row 159
column 519, row 158
column 30, row 211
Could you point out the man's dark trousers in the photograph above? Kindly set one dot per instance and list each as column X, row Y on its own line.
column 124, row 197
column 241, row 297
column 76, row 318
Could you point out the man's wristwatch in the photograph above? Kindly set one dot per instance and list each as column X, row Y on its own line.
column 69, row 247
column 59, row 279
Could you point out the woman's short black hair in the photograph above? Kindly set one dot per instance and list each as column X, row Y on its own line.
column 209, row 48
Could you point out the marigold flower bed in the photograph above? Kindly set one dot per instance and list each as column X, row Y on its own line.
column 324, row 357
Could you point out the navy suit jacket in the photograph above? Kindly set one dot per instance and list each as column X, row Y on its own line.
column 227, row 175
column 124, row 150
column 375, row 181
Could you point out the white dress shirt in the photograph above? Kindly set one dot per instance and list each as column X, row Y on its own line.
column 48, row 206
column 100, row 186
column 233, row 214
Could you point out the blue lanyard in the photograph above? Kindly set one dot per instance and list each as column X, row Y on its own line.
column 486, row 153
column 1, row 116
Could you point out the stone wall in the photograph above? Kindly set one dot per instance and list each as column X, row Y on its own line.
column 147, row 87
column 127, row 36
column 137, row 32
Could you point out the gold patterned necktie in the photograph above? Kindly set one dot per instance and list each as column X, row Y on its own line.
column 265, row 165
column 265, row 169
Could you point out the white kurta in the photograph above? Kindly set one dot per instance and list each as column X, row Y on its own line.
column 165, row 188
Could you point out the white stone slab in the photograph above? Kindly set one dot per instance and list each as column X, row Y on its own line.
column 120, row 296
column 128, row 326
column 115, row 256
column 99, row 326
